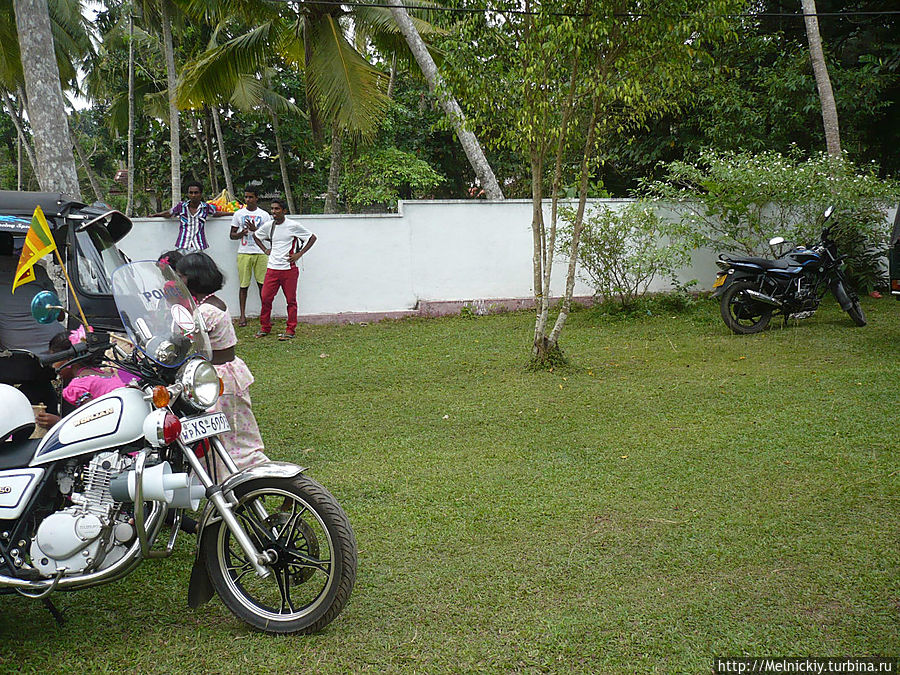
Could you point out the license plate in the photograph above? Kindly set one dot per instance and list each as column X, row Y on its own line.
column 720, row 280
column 195, row 428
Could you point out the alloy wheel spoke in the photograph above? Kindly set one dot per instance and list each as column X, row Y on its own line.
column 299, row 559
column 283, row 579
column 253, row 527
column 286, row 536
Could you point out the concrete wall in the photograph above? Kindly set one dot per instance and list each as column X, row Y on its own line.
column 431, row 256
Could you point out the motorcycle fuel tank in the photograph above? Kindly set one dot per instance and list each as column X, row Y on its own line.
column 115, row 419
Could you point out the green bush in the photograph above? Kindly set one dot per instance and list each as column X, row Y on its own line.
column 621, row 252
column 737, row 201
column 379, row 177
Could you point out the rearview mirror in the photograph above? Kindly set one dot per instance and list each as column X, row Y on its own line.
column 775, row 241
column 45, row 307
column 828, row 212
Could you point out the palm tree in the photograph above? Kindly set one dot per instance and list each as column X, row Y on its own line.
column 342, row 85
column 823, row 82
column 48, row 58
column 451, row 108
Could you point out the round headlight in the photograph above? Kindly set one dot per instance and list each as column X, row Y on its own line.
column 200, row 383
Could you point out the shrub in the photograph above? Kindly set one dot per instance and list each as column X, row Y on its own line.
column 737, row 201
column 379, row 177
column 621, row 252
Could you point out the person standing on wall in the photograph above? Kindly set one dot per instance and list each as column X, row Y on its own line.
column 192, row 214
column 251, row 260
column 285, row 242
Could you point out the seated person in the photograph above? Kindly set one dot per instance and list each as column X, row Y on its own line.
column 82, row 381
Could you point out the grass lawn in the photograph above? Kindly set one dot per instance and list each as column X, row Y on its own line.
column 677, row 493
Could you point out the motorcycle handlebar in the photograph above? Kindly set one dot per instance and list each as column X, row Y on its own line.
column 99, row 343
column 50, row 359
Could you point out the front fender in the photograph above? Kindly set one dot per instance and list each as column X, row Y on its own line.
column 200, row 589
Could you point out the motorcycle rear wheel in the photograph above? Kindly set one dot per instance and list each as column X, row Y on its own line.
column 741, row 314
column 314, row 547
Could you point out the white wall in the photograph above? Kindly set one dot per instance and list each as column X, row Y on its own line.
column 430, row 251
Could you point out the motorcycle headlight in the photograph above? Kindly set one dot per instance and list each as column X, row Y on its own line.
column 200, row 383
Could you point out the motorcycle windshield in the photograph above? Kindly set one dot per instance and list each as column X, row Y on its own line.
column 159, row 314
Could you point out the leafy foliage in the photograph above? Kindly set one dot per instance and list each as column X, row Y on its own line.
column 381, row 177
column 623, row 250
column 738, row 200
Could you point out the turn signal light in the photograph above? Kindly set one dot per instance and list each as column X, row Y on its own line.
column 161, row 397
column 171, row 428
column 221, row 386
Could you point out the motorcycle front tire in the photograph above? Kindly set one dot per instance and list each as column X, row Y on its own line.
column 856, row 313
column 314, row 547
column 850, row 301
column 741, row 314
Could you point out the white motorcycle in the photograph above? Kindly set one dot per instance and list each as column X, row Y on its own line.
column 85, row 504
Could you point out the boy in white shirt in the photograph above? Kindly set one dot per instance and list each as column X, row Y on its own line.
column 284, row 242
column 251, row 260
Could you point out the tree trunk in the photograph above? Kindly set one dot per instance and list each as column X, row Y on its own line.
column 223, row 156
column 204, row 136
column 315, row 121
column 129, row 201
column 92, row 179
column 20, row 130
column 47, row 113
column 171, row 77
column 18, row 163
column 282, row 161
column 334, row 172
column 449, row 105
column 538, row 261
column 543, row 250
column 823, row 82
column 577, row 226
column 390, row 89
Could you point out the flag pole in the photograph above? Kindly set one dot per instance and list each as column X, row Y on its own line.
column 71, row 288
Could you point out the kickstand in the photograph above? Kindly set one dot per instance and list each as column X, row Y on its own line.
column 60, row 619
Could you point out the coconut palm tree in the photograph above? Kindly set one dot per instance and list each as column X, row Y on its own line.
column 52, row 40
column 823, row 82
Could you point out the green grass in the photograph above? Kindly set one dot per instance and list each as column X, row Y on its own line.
column 675, row 493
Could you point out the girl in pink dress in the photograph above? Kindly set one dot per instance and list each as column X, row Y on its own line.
column 244, row 442
column 83, row 381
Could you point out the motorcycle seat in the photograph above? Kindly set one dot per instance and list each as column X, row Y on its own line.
column 765, row 263
column 17, row 454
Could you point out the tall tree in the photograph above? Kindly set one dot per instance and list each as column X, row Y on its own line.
column 129, row 159
column 448, row 103
column 56, row 167
column 165, row 12
column 570, row 80
column 823, row 82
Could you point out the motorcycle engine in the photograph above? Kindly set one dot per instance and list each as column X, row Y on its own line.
column 804, row 300
column 91, row 534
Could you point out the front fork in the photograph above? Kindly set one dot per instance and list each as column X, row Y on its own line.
column 214, row 494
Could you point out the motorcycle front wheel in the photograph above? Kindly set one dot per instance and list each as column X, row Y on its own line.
column 742, row 314
column 856, row 313
column 300, row 525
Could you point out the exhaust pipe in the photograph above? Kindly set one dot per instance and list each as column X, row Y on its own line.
column 763, row 298
column 120, row 568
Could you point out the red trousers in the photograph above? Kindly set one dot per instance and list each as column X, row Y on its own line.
column 287, row 281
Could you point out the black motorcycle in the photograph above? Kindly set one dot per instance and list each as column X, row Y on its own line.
column 751, row 290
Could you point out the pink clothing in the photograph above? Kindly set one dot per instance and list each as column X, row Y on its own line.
column 244, row 442
column 87, row 387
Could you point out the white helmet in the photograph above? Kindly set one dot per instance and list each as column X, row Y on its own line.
column 18, row 415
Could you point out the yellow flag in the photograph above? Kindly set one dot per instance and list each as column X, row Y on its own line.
column 38, row 243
